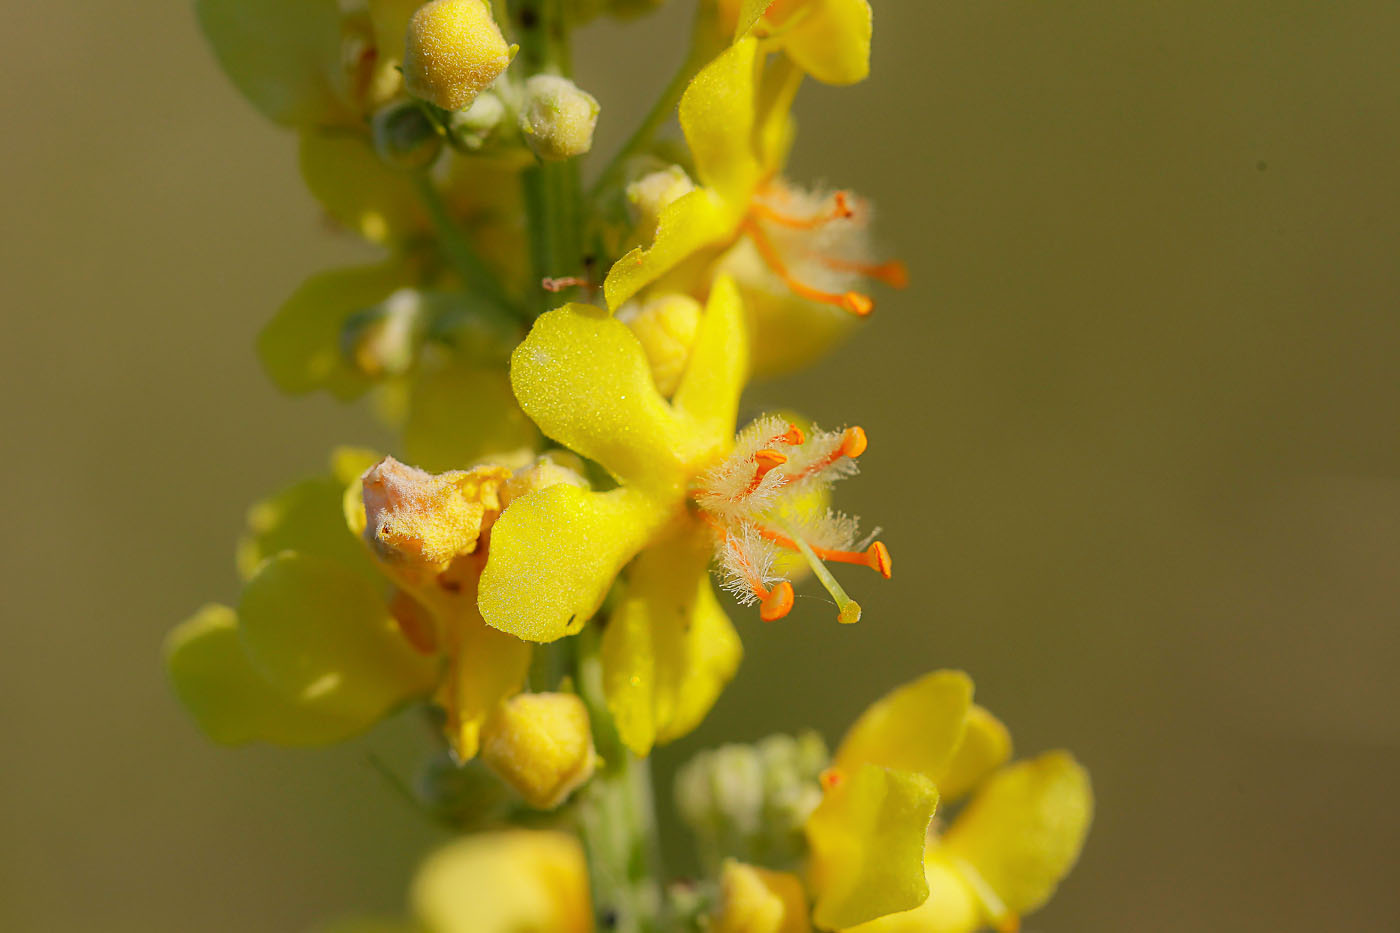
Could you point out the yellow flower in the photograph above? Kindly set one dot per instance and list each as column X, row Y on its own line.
column 687, row 489
column 541, row 745
column 311, row 654
column 796, row 255
column 828, row 39
column 518, row 881
column 326, row 641
column 1003, row 854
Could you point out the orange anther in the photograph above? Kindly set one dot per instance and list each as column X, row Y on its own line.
column 793, row 436
column 858, row 303
column 830, row 777
column 879, row 558
column 768, row 459
column 777, row 603
column 854, row 442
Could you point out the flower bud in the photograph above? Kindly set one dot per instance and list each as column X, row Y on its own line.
column 756, row 900
column 547, row 470
column 665, row 327
column 383, row 340
column 454, row 50
column 404, row 137
column 653, row 191
column 541, row 745
column 752, row 801
column 557, row 118
column 479, row 123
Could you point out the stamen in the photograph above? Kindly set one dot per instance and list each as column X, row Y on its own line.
column 840, row 210
column 893, row 273
column 876, row 557
column 765, row 461
column 777, row 603
column 847, row 609
column 853, row 444
column 830, row 777
column 856, row 303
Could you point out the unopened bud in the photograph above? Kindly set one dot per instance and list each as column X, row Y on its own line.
column 752, row 801
column 547, row 470
column 557, row 118
column 404, row 137
column 541, row 745
column 383, row 340
column 454, row 50
column 648, row 195
column 665, row 326
column 756, row 900
column 476, row 126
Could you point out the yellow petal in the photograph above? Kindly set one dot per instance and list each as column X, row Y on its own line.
column 520, row 881
column 687, row 225
column 459, row 414
column 357, row 189
column 231, row 701
column 831, row 40
column 307, row 517
column 300, row 347
column 985, row 746
column 1023, row 830
column 775, row 128
column 867, row 845
column 284, row 55
column 584, row 380
column 756, row 900
column 717, row 114
column 714, row 377
column 321, row 634
column 485, row 667
column 541, row 744
column 915, row 727
column 669, row 648
column 554, row 554
column 951, row 906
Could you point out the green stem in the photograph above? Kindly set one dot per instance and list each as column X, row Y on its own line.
column 618, row 814
column 475, row 274
column 551, row 189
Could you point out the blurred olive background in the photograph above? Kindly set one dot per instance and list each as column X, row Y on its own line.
column 1133, row 444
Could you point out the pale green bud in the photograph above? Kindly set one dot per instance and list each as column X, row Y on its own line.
column 476, row 126
column 404, row 137
column 383, row 340
column 557, row 118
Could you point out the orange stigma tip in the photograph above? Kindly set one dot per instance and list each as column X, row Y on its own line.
column 854, row 442
column 830, row 778
column 879, row 557
column 857, row 303
column 777, row 603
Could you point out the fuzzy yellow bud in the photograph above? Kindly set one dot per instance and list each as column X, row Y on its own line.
column 756, row 900
column 453, row 52
column 558, row 118
column 541, row 745
column 665, row 327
